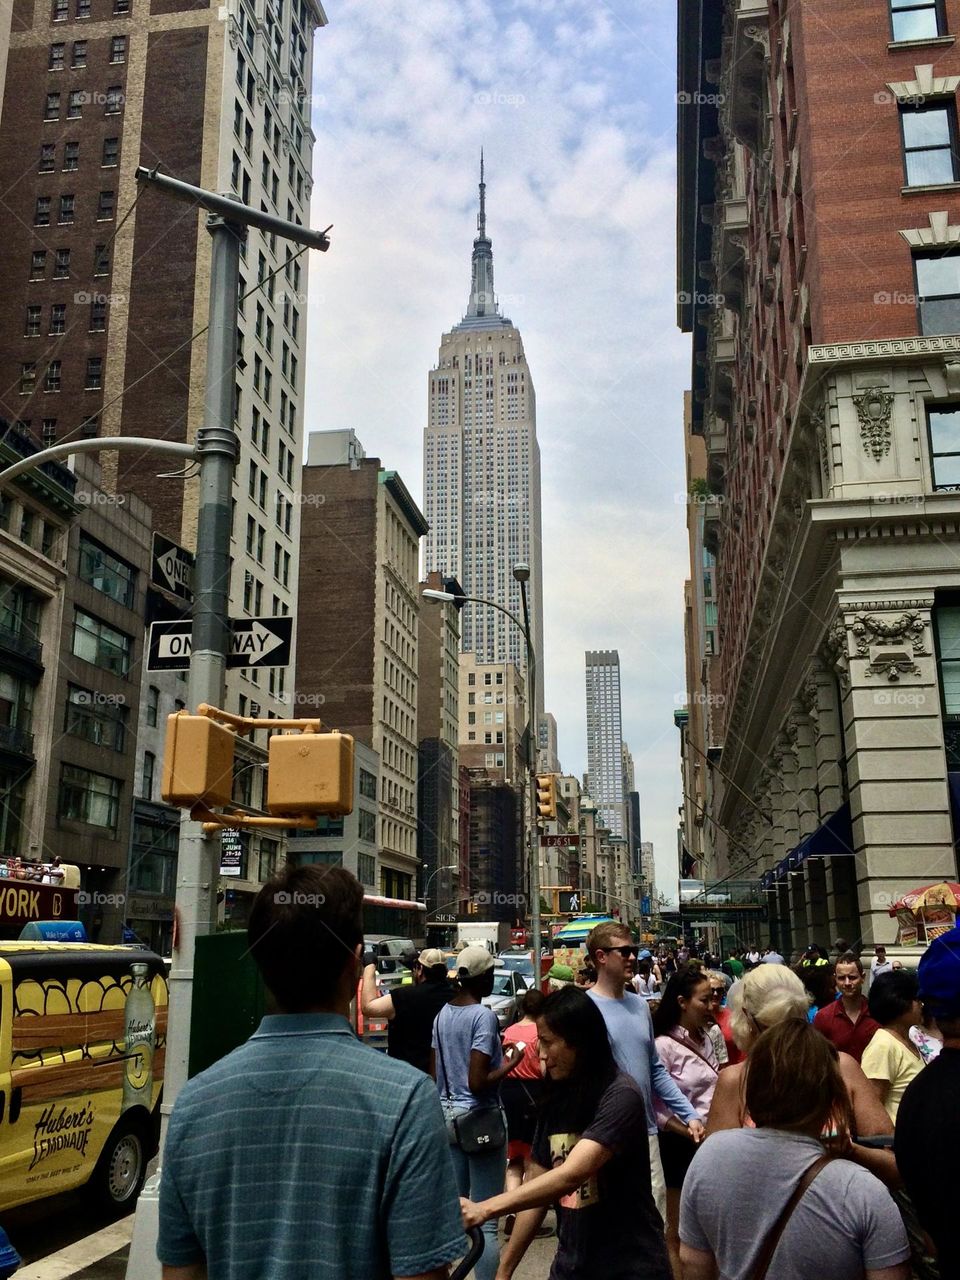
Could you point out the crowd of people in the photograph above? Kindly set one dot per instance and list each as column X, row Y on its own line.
column 687, row 1117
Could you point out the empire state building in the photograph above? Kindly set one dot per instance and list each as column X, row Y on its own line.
column 481, row 467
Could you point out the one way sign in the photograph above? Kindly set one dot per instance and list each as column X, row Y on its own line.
column 254, row 642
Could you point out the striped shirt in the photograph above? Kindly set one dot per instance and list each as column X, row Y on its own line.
column 306, row 1154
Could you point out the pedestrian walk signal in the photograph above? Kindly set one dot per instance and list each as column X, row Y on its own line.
column 546, row 797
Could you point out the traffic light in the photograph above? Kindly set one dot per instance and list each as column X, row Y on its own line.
column 310, row 773
column 546, row 797
column 197, row 762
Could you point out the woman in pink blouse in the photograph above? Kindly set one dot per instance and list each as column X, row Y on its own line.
column 680, row 1025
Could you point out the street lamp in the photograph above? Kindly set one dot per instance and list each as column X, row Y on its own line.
column 454, row 866
column 521, row 574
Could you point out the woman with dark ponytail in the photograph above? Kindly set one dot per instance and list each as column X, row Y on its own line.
column 590, row 1155
column 686, row 1050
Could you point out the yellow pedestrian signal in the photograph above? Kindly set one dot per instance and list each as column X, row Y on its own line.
column 546, row 797
column 310, row 773
column 197, row 762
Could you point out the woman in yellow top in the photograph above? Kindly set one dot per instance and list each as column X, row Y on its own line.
column 891, row 1059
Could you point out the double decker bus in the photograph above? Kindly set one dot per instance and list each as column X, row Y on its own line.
column 394, row 918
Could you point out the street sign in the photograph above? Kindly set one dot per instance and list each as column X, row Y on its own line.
column 560, row 842
column 172, row 567
column 254, row 642
column 231, row 851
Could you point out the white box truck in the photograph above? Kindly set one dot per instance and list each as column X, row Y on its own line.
column 492, row 934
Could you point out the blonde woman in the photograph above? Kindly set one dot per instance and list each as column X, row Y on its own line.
column 767, row 996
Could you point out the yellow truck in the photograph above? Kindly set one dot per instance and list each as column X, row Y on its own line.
column 82, row 1042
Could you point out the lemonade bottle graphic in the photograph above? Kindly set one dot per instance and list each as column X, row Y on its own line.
column 139, row 1026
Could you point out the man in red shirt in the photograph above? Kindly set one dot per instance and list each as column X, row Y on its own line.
column 846, row 1022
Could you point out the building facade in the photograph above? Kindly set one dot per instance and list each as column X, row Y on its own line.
column 826, row 339
column 359, row 620
column 481, row 468
column 605, row 738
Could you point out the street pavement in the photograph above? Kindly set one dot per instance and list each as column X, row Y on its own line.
column 103, row 1256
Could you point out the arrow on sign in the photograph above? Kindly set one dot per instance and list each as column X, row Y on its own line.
column 256, row 644
column 175, row 571
column 253, row 642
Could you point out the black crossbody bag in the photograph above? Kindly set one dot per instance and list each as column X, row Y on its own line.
column 482, row 1129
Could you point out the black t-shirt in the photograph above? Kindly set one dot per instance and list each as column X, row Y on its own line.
column 926, row 1143
column 410, row 1029
column 609, row 1226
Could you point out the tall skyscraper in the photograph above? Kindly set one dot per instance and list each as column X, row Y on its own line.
column 605, row 738
column 107, row 281
column 481, row 466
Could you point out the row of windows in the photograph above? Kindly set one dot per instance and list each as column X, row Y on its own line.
column 57, row 60
column 81, row 9
column 53, row 376
column 61, row 262
column 109, row 156
column 112, row 102
column 67, row 209
column 57, row 324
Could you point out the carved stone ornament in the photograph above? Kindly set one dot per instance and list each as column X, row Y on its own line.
column 909, row 628
column 808, row 696
column 233, row 33
column 835, row 650
column 874, row 407
column 893, row 666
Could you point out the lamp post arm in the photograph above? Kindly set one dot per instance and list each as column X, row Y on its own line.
column 97, row 444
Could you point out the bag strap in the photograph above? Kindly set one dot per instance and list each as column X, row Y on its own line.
column 765, row 1257
column 443, row 1066
column 688, row 1044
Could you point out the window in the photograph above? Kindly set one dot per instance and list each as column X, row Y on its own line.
column 89, row 797
column 114, row 100
column 111, row 153
column 48, row 157
column 75, row 102
column 57, row 55
column 94, row 378
column 51, row 381
column 118, row 49
column 79, row 53
column 41, row 214
column 51, row 107
column 149, row 768
column 61, row 265
column 31, row 327
column 101, row 260
column 106, row 572
column 38, row 264
column 153, row 706
column 28, row 378
column 368, row 785
column 83, row 8
column 66, row 211
column 938, row 292
column 71, row 156
column 58, row 317
column 944, row 427
column 947, row 624
column 367, row 826
column 61, row 10
column 96, row 717
column 367, row 869
column 105, row 206
column 929, row 143
column 915, row 19
column 121, row 6
column 98, row 317
column 97, row 643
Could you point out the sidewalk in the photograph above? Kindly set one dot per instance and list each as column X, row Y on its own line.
column 103, row 1256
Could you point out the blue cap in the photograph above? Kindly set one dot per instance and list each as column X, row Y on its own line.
column 939, row 975
column 644, row 955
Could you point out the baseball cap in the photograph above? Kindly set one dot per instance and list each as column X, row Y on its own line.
column 939, row 975
column 561, row 973
column 644, row 955
column 474, row 962
column 432, row 958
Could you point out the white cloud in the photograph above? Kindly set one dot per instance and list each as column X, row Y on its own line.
column 575, row 110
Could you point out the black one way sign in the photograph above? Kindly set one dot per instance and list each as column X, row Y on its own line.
column 172, row 567
column 254, row 642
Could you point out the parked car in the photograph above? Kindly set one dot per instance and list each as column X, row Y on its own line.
column 508, row 989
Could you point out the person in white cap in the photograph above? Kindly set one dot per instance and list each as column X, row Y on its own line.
column 410, row 1011
column 468, row 1063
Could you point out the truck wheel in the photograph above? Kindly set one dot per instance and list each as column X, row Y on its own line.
column 122, row 1167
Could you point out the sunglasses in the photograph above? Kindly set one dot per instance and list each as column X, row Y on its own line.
column 627, row 952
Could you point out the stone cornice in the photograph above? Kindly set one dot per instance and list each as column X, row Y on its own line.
column 926, row 85
column 883, row 350
column 938, row 235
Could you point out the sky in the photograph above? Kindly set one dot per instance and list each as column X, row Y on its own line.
column 575, row 108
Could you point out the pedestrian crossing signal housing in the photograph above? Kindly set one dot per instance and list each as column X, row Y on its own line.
column 197, row 762
column 546, row 797
column 310, row 773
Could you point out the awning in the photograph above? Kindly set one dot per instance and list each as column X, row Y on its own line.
column 577, row 930
column 832, row 839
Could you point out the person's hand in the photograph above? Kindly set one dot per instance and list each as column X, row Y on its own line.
column 840, row 1144
column 370, row 971
column 473, row 1214
column 513, row 1055
column 696, row 1130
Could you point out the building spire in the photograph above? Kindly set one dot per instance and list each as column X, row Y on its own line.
column 482, row 311
column 482, row 217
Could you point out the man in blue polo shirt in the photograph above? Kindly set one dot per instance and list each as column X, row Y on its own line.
column 305, row 1154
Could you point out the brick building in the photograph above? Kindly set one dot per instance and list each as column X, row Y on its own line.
column 819, row 230
column 359, row 623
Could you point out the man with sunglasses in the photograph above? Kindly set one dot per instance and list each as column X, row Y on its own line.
column 630, row 1031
